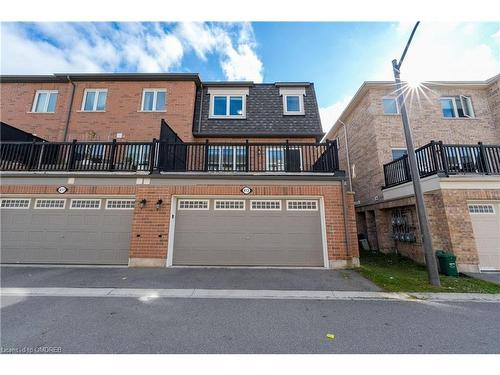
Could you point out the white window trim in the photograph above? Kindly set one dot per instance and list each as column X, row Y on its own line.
column 193, row 209
column 228, row 106
column 49, row 208
column 155, row 96
column 16, row 208
column 302, row 209
column 220, row 157
column 301, row 105
column 265, row 209
column 94, row 106
column 35, row 101
column 229, row 209
column 455, row 110
column 119, row 200
column 482, row 204
column 283, row 149
column 293, row 91
column 398, row 110
column 85, row 208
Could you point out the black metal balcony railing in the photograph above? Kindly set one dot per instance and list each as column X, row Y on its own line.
column 446, row 159
column 160, row 156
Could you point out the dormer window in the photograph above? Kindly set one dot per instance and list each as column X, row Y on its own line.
column 227, row 103
column 293, row 100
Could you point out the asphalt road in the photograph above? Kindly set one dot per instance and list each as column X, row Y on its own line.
column 167, row 325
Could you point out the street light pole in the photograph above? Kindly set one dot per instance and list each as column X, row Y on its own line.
column 430, row 260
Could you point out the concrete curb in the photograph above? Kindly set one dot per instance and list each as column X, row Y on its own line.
column 149, row 294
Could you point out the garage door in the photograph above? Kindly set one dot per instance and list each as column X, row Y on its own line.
column 486, row 224
column 248, row 232
column 66, row 231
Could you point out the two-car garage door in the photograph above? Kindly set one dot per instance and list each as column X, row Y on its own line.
column 248, row 232
column 65, row 230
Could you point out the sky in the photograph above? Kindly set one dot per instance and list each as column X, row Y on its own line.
column 336, row 56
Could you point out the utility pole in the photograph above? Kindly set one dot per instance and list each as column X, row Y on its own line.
column 430, row 259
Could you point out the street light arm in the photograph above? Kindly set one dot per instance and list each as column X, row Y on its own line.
column 398, row 65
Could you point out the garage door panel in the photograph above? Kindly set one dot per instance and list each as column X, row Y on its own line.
column 248, row 237
column 66, row 236
column 486, row 228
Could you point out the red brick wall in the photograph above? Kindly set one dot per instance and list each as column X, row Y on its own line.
column 150, row 235
column 122, row 113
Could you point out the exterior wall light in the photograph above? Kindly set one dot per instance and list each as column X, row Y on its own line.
column 142, row 203
column 159, row 203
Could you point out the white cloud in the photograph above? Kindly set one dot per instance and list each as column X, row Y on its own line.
column 45, row 48
column 237, row 59
column 330, row 114
column 445, row 51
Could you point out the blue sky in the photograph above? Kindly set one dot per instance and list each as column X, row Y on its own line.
column 336, row 56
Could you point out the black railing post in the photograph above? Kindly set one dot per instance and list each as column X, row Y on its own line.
column 206, row 155
column 287, row 156
column 444, row 158
column 152, row 156
column 72, row 151
column 386, row 179
column 335, row 156
column 247, row 156
column 434, row 156
column 408, row 176
column 484, row 158
column 112, row 156
column 30, row 156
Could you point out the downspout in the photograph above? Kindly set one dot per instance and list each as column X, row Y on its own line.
column 201, row 107
column 347, row 154
column 346, row 225
column 68, row 117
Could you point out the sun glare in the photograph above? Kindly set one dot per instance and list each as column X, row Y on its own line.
column 414, row 83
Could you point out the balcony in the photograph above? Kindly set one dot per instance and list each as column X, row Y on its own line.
column 445, row 159
column 166, row 157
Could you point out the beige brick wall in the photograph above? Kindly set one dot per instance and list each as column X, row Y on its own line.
column 372, row 134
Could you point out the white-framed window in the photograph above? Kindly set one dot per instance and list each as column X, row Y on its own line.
column 94, row 100
column 226, row 158
column 193, row 204
column 232, row 106
column 302, row 205
column 51, row 204
column 457, row 107
column 293, row 104
column 276, row 158
column 390, row 106
column 478, row 208
column 120, row 204
column 229, row 204
column 85, row 204
column 45, row 101
column 265, row 205
column 19, row 203
column 154, row 100
column 293, row 100
column 398, row 153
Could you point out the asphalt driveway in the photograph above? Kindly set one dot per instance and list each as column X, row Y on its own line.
column 184, row 278
column 492, row 277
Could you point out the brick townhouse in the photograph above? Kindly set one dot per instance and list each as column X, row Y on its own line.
column 167, row 170
column 456, row 127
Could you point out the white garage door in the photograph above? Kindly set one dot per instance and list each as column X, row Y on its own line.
column 65, row 230
column 486, row 223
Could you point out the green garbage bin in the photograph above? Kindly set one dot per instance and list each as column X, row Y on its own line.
column 447, row 263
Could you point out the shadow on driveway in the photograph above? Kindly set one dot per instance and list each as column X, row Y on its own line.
column 184, row 278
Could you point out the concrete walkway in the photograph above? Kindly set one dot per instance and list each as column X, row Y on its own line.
column 492, row 277
column 151, row 294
